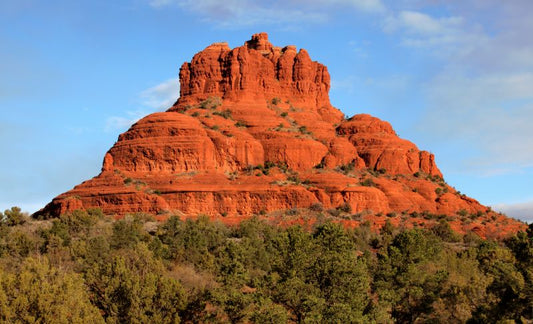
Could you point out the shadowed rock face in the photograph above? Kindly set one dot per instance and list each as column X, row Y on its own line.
column 265, row 107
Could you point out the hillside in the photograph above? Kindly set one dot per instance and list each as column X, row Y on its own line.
column 254, row 132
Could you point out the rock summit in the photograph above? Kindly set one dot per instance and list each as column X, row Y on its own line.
column 254, row 132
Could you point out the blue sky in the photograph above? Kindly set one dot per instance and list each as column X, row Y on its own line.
column 455, row 77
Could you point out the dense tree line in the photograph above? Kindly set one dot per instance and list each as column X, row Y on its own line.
column 87, row 268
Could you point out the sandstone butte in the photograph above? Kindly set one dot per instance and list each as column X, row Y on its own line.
column 254, row 132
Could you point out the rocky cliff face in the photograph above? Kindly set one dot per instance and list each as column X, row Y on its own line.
column 253, row 132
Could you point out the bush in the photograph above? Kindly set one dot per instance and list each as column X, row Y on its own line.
column 294, row 178
column 292, row 211
column 269, row 164
column 303, row 130
column 345, row 208
column 241, row 123
column 13, row 217
column 346, row 168
column 224, row 114
column 443, row 230
column 368, row 182
column 317, row 207
column 83, row 268
column 41, row 293
column 211, row 103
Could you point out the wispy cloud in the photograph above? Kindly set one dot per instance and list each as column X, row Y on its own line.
column 414, row 22
column 161, row 96
column 121, row 122
column 443, row 37
column 370, row 6
column 480, row 89
column 482, row 92
column 523, row 210
column 156, row 98
column 232, row 13
column 491, row 111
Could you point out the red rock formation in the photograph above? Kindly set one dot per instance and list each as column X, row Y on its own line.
column 266, row 107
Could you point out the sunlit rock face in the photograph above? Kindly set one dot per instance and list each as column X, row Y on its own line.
column 252, row 132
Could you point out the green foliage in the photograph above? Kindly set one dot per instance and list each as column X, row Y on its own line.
column 13, row 217
column 226, row 114
column 86, row 268
column 345, row 208
column 443, row 230
column 193, row 241
column 211, row 103
column 41, row 293
column 131, row 288
column 275, row 101
column 317, row 207
column 241, row 123
column 346, row 168
column 294, row 178
column 407, row 277
column 126, row 233
column 368, row 182
column 304, row 130
column 441, row 190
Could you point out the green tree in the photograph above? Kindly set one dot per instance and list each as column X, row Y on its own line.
column 132, row 289
column 13, row 217
column 341, row 275
column 193, row 241
column 506, row 295
column 408, row 278
column 40, row 293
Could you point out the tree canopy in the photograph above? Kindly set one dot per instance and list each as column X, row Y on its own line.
column 87, row 268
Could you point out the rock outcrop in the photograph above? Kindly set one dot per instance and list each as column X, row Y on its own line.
column 253, row 132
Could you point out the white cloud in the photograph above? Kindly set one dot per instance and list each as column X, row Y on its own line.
column 360, row 5
column 156, row 98
column 161, row 96
column 491, row 111
column 414, row 22
column 443, row 36
column 480, row 98
column 522, row 211
column 121, row 122
column 231, row 13
column 479, row 90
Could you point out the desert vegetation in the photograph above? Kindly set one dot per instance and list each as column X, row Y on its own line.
column 87, row 267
